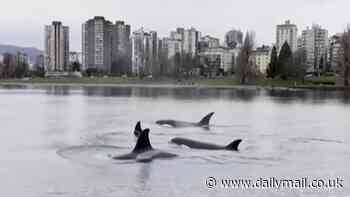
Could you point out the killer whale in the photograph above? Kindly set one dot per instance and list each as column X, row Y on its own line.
column 178, row 124
column 143, row 150
column 233, row 146
column 138, row 129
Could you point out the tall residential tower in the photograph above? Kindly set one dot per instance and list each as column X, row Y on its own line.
column 287, row 32
column 56, row 47
column 234, row 39
column 106, row 46
column 315, row 45
column 145, row 52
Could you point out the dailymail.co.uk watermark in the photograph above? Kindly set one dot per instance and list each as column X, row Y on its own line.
column 275, row 183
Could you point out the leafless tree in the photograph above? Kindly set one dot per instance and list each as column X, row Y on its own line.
column 298, row 68
column 245, row 67
column 1, row 70
column 344, row 54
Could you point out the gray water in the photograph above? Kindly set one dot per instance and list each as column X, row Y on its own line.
column 57, row 141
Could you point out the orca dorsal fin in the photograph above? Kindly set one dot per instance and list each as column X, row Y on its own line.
column 206, row 119
column 138, row 129
column 143, row 142
column 234, row 145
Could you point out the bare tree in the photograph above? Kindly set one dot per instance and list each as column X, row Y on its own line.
column 299, row 67
column 1, row 70
column 344, row 54
column 245, row 67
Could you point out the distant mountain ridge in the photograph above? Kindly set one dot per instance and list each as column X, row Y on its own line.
column 32, row 52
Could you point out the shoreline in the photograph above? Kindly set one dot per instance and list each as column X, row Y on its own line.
column 135, row 85
column 173, row 85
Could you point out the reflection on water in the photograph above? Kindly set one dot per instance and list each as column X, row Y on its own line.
column 238, row 93
column 143, row 178
column 203, row 93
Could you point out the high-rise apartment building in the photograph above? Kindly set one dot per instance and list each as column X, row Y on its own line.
column 191, row 38
column 208, row 42
column 315, row 45
column 144, row 52
column 334, row 49
column 262, row 58
column 170, row 47
column 287, row 32
column 121, row 48
column 234, row 39
column 56, row 47
column 97, row 44
column 106, row 46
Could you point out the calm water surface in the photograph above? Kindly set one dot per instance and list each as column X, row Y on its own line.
column 56, row 141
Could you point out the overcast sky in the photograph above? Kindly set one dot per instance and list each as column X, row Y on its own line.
column 22, row 21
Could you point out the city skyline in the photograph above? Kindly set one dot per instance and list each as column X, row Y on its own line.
column 209, row 17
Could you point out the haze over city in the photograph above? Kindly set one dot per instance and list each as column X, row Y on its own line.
column 22, row 22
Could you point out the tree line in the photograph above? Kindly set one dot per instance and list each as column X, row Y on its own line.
column 287, row 65
column 284, row 65
column 344, row 58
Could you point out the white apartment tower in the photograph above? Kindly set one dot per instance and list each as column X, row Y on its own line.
column 287, row 32
column 315, row 45
column 56, row 47
column 144, row 52
column 96, row 44
column 262, row 58
column 191, row 39
column 334, row 49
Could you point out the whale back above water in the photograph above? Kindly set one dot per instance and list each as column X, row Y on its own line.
column 204, row 122
column 143, row 150
column 233, row 146
column 143, row 144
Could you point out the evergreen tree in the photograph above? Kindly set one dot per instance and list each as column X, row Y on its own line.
column 271, row 70
column 177, row 62
column 284, row 61
column 321, row 65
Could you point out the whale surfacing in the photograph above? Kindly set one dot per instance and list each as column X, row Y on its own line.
column 233, row 146
column 138, row 129
column 178, row 124
column 143, row 150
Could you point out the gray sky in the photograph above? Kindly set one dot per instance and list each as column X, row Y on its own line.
column 22, row 22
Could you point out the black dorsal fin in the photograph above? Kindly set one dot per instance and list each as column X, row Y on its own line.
column 205, row 120
column 143, row 142
column 138, row 129
column 234, row 145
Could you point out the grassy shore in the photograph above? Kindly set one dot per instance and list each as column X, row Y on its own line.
column 322, row 83
column 124, row 81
